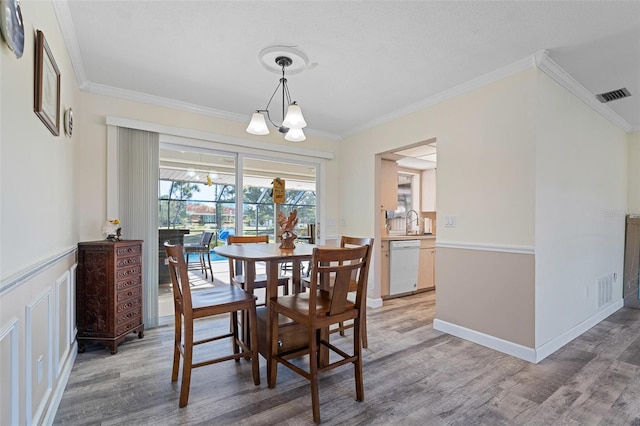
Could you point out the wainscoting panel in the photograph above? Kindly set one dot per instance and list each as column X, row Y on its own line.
column 73, row 329
column 39, row 355
column 37, row 339
column 10, row 367
column 62, row 315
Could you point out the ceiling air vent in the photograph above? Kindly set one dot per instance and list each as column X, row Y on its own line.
column 614, row 95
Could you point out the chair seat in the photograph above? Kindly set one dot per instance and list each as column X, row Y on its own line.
column 299, row 303
column 218, row 298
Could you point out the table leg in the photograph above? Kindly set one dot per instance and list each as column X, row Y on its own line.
column 272, row 291
column 323, row 357
column 249, row 275
column 296, row 284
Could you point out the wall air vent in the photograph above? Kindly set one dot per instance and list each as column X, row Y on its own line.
column 614, row 95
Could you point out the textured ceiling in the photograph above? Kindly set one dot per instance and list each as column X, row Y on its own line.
column 370, row 59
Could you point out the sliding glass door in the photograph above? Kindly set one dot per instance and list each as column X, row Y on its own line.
column 198, row 192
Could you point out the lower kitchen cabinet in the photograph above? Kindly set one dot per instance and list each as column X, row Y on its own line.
column 426, row 270
column 384, row 269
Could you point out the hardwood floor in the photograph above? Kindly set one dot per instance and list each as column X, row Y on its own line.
column 413, row 375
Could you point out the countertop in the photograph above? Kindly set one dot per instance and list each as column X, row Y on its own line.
column 401, row 237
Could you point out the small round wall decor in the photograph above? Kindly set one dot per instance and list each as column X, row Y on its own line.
column 68, row 122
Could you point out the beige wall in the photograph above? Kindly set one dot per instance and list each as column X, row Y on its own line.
column 493, row 293
column 486, row 178
column 633, row 181
column 38, row 231
column 36, row 167
column 520, row 165
column 485, row 143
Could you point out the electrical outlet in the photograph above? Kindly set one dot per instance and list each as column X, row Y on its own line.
column 40, row 369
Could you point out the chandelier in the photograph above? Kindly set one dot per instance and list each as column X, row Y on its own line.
column 292, row 121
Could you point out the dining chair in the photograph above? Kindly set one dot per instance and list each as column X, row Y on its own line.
column 201, row 304
column 346, row 241
column 260, row 280
column 318, row 309
column 202, row 248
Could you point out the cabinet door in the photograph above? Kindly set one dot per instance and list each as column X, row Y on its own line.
column 426, row 272
column 384, row 272
column 428, row 190
column 389, row 185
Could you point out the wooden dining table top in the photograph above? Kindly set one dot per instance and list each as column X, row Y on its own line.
column 265, row 252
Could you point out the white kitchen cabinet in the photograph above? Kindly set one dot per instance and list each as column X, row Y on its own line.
column 428, row 190
column 427, row 270
column 384, row 269
column 389, row 185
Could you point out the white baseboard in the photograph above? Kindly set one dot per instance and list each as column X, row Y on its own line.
column 550, row 347
column 500, row 345
column 52, row 409
column 524, row 352
column 374, row 303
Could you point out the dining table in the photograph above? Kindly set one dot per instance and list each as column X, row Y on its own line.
column 272, row 255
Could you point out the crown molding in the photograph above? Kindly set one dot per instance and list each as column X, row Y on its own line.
column 131, row 95
column 461, row 89
column 63, row 14
column 547, row 65
column 102, row 89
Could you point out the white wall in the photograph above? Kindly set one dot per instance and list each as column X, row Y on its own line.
column 580, row 202
column 38, row 231
column 633, row 180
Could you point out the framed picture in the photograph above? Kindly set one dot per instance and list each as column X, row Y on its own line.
column 46, row 103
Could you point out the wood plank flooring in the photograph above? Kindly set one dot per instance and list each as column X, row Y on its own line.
column 413, row 375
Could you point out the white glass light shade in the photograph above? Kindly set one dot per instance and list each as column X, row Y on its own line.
column 295, row 135
column 294, row 118
column 257, row 125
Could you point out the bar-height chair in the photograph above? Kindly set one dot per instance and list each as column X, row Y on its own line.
column 260, row 280
column 206, row 303
column 202, row 248
column 346, row 241
column 320, row 308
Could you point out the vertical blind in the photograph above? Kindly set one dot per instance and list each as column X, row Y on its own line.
column 138, row 161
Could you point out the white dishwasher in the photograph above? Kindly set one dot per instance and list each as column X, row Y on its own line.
column 403, row 266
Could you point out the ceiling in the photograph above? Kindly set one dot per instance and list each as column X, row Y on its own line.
column 368, row 60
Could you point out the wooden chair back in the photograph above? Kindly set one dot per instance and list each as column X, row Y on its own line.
column 180, row 280
column 243, row 239
column 342, row 266
column 346, row 241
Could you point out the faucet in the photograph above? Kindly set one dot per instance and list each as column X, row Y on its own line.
column 410, row 221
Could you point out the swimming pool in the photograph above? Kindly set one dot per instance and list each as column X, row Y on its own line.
column 194, row 257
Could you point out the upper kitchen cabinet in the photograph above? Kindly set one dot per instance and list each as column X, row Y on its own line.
column 428, row 189
column 389, row 185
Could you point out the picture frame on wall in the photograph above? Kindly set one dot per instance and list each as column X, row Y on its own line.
column 46, row 86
